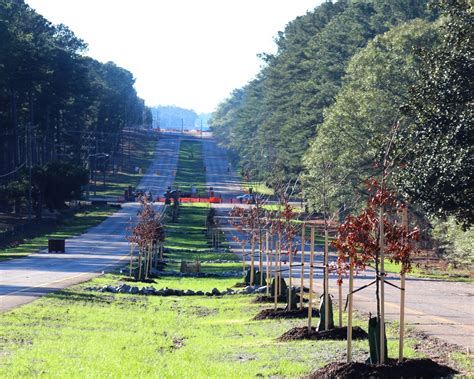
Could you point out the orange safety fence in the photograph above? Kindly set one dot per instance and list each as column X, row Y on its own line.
column 214, row 200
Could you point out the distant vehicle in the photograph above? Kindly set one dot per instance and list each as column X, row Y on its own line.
column 248, row 198
column 172, row 193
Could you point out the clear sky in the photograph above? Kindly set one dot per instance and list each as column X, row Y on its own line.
column 189, row 53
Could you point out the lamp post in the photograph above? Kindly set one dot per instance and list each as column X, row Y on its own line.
column 95, row 156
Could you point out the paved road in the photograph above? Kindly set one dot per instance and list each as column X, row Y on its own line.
column 218, row 175
column 439, row 308
column 100, row 249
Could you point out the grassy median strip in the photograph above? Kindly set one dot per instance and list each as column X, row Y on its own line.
column 76, row 333
column 74, row 223
column 190, row 168
column 188, row 239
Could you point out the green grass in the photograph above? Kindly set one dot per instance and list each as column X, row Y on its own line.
column 188, row 239
column 418, row 272
column 190, row 168
column 195, row 284
column 77, row 333
column 73, row 224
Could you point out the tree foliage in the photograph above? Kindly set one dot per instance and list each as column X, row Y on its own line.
column 438, row 146
column 355, row 127
column 55, row 103
column 359, row 236
column 270, row 122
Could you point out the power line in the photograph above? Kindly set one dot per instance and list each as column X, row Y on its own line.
column 14, row 171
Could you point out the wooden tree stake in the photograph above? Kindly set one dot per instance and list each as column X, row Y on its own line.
column 131, row 258
column 275, row 287
column 349, row 315
column 326, row 280
column 279, row 264
column 302, row 265
column 267, row 256
column 252, row 262
column 243, row 256
column 402, row 297
column 311, row 274
column 382, row 289
column 289, row 278
column 260, row 259
column 140, row 253
column 340, row 303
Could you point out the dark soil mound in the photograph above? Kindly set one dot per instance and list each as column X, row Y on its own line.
column 301, row 333
column 411, row 368
column 282, row 313
column 269, row 299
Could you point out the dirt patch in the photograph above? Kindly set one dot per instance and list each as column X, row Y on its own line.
column 301, row 333
column 178, row 343
column 411, row 368
column 437, row 349
column 266, row 314
column 271, row 299
column 203, row 311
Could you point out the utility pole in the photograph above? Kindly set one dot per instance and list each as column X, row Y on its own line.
column 182, row 126
column 29, row 160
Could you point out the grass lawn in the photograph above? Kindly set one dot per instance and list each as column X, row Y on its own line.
column 76, row 333
column 74, row 223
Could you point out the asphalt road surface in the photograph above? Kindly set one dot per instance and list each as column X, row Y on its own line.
column 98, row 250
column 442, row 309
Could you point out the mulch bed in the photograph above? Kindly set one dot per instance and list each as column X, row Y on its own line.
column 282, row 313
column 301, row 333
column 268, row 299
column 410, row 368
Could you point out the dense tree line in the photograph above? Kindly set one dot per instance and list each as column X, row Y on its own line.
column 270, row 122
column 172, row 117
column 345, row 77
column 57, row 106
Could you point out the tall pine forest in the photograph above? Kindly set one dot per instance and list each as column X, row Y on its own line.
column 353, row 81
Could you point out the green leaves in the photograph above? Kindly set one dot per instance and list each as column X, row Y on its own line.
column 376, row 84
column 74, row 104
column 438, row 146
column 270, row 122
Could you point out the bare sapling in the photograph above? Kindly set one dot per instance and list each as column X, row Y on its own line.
column 148, row 231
